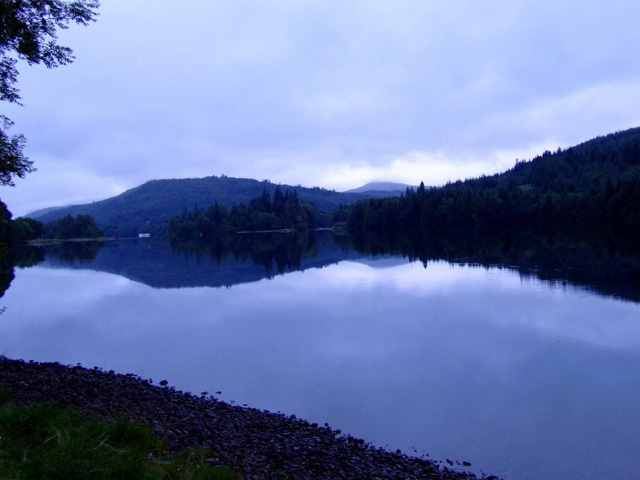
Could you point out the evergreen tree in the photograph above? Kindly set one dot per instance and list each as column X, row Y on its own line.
column 82, row 226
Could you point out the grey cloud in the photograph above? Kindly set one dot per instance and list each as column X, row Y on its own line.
column 202, row 86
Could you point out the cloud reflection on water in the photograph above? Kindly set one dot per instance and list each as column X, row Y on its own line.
column 458, row 361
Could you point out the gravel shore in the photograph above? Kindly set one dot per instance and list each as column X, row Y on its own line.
column 260, row 444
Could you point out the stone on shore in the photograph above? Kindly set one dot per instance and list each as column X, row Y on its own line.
column 260, row 444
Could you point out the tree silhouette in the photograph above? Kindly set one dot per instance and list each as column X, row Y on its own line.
column 28, row 31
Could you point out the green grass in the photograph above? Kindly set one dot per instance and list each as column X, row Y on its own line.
column 49, row 443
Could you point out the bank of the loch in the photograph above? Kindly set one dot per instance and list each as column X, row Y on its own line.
column 262, row 445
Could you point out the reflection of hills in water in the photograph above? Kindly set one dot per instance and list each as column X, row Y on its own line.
column 382, row 262
column 598, row 263
column 603, row 264
column 155, row 263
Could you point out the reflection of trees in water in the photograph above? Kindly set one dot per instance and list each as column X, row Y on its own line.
column 276, row 252
column 24, row 256
column 284, row 251
column 6, row 271
column 71, row 252
column 15, row 257
column 601, row 261
column 21, row 257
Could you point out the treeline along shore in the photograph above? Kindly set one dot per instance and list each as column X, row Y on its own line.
column 591, row 186
column 260, row 444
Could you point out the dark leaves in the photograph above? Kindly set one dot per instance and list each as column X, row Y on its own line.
column 13, row 163
column 28, row 31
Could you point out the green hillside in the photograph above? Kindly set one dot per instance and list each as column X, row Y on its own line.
column 149, row 207
column 592, row 185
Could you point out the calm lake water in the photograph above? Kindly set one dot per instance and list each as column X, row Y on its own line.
column 524, row 378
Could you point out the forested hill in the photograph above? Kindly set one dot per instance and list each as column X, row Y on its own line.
column 593, row 184
column 149, row 207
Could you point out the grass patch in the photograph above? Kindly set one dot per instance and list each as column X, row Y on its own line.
column 47, row 442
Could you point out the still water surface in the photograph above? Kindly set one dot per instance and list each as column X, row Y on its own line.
column 523, row 378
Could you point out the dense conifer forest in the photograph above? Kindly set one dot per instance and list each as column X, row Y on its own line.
column 284, row 211
column 590, row 186
column 594, row 184
column 149, row 207
column 82, row 226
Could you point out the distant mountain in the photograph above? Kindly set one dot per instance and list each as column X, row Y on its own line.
column 149, row 207
column 44, row 211
column 382, row 187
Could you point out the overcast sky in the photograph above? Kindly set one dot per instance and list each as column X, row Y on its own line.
column 321, row 93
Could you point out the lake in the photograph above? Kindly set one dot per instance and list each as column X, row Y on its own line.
column 525, row 362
